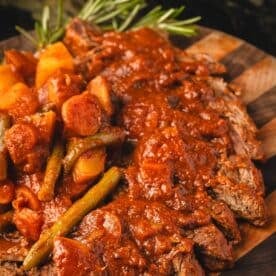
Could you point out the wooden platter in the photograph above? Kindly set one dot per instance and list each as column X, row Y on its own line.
column 254, row 71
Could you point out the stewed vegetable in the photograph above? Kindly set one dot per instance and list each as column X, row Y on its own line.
column 46, row 192
column 53, row 141
column 109, row 137
column 41, row 249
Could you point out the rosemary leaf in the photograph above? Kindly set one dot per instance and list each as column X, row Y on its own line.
column 187, row 21
column 107, row 17
column 190, row 31
column 56, row 35
column 130, row 18
column 39, row 31
column 45, row 19
column 59, row 14
column 26, row 34
column 166, row 15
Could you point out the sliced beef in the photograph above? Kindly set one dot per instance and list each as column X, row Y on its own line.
column 146, row 113
column 154, row 179
column 242, row 200
column 81, row 37
column 224, row 218
column 243, row 130
column 101, row 231
column 216, row 252
column 187, row 265
column 216, row 210
column 199, row 64
column 182, row 200
column 240, row 169
column 149, row 232
column 72, row 257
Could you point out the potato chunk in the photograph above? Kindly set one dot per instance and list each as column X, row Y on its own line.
column 20, row 139
column 82, row 115
column 100, row 88
column 19, row 101
column 89, row 165
column 24, row 63
column 7, row 78
column 54, row 58
column 44, row 123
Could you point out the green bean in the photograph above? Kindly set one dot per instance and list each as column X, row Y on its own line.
column 112, row 136
column 46, row 192
column 4, row 125
column 43, row 247
column 6, row 220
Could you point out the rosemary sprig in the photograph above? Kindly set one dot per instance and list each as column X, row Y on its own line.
column 119, row 15
column 46, row 31
column 166, row 20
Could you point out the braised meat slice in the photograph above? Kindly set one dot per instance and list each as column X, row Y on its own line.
column 199, row 64
column 72, row 257
column 155, row 179
column 81, row 37
column 187, row 265
column 224, row 218
column 240, row 169
column 216, row 252
column 148, row 232
column 144, row 113
column 221, row 215
column 243, row 130
column 242, row 200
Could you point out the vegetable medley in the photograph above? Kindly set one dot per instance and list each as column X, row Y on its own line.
column 54, row 127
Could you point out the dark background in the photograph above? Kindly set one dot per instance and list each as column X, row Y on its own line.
column 252, row 20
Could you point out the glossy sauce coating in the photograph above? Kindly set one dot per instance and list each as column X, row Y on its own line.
column 182, row 135
column 186, row 179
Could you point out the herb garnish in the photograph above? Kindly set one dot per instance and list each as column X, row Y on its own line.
column 119, row 15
